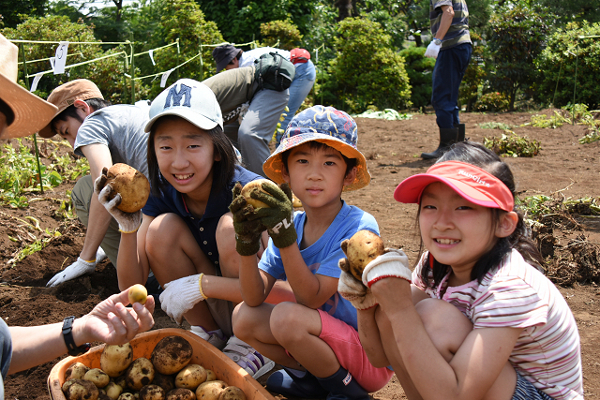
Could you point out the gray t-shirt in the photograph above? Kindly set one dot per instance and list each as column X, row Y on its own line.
column 121, row 128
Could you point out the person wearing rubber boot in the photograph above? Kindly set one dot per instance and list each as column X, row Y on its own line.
column 315, row 338
column 451, row 47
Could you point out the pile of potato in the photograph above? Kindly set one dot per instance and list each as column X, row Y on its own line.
column 167, row 375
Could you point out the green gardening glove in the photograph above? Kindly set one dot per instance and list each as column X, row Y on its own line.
column 277, row 217
column 247, row 225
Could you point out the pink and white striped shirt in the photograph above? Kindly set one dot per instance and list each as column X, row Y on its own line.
column 517, row 295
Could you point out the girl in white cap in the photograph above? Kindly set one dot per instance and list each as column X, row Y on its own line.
column 480, row 320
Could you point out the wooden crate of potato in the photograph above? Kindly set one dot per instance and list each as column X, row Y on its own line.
column 203, row 354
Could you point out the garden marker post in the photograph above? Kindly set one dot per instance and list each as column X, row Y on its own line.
column 132, row 71
column 178, row 60
column 201, row 59
column 37, row 153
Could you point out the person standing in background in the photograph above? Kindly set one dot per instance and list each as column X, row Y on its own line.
column 451, row 47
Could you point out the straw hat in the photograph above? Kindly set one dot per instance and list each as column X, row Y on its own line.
column 31, row 113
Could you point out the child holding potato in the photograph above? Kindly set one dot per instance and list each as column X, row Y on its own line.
column 315, row 336
column 480, row 321
column 185, row 234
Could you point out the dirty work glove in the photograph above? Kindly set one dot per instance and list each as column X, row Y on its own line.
column 248, row 228
column 181, row 295
column 128, row 222
column 433, row 50
column 394, row 263
column 278, row 216
column 77, row 269
column 355, row 292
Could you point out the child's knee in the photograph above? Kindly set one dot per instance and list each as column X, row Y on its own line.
column 284, row 320
column 162, row 233
column 445, row 324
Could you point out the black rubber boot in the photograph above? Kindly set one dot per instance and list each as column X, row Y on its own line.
column 291, row 382
column 460, row 137
column 342, row 386
column 447, row 137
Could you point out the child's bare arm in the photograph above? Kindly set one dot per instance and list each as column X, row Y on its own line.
column 370, row 337
column 255, row 284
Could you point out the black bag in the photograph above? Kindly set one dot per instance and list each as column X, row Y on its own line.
column 274, row 72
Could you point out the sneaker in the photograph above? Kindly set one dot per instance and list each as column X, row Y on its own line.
column 248, row 358
column 216, row 338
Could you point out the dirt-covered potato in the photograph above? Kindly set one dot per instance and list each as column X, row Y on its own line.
column 120, row 380
column 131, row 184
column 171, row 354
column 210, row 375
column 97, row 377
column 232, row 393
column 180, row 394
column 210, row 390
column 257, row 184
column 113, row 390
column 104, row 396
column 126, row 396
column 116, row 358
column 152, row 392
column 167, row 382
column 76, row 371
column 190, row 377
column 139, row 374
column 362, row 248
column 80, row 389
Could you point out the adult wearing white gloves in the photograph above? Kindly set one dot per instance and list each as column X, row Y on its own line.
column 105, row 134
column 451, row 47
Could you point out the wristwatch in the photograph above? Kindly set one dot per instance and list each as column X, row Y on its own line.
column 67, row 331
column 437, row 41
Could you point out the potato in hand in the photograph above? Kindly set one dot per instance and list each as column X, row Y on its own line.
column 362, row 248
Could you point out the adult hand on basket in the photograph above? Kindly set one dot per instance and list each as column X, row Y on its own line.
column 278, row 215
column 128, row 222
column 247, row 226
column 181, row 295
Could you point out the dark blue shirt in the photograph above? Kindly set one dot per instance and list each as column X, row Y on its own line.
column 203, row 228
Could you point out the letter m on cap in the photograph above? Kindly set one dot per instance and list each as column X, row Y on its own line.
column 174, row 97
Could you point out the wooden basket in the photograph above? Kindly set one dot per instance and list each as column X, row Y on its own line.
column 204, row 354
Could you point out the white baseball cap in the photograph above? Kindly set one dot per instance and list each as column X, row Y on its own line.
column 190, row 100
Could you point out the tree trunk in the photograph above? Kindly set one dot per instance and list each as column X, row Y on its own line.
column 119, row 4
column 344, row 9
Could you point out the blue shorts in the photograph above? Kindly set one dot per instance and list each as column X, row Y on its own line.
column 526, row 391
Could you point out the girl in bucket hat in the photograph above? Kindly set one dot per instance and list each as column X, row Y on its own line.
column 316, row 337
column 480, row 319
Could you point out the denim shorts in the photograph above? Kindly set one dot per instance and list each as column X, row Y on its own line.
column 526, row 391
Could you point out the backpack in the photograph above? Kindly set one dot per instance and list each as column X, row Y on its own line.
column 274, row 72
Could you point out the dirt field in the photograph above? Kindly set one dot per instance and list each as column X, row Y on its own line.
column 563, row 169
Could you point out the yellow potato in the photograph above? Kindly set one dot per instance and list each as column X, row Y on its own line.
column 362, row 248
column 97, row 377
column 76, row 371
column 152, row 392
column 210, row 375
column 132, row 185
column 232, row 393
column 257, row 184
column 79, row 389
column 210, row 390
column 113, row 390
column 116, row 358
column 137, row 294
column 190, row 377
column 180, row 394
column 139, row 374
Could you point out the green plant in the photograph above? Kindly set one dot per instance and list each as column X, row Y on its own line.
column 518, row 36
column 419, row 70
column 512, row 145
column 493, row 101
column 495, row 125
column 475, row 73
column 366, row 72
column 283, row 34
column 569, row 66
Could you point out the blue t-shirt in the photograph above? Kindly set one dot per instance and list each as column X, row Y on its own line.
column 203, row 228
column 322, row 256
column 5, row 354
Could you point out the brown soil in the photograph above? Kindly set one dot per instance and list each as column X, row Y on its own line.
column 563, row 169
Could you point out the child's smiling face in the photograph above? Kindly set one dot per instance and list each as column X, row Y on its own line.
column 317, row 175
column 455, row 231
column 185, row 154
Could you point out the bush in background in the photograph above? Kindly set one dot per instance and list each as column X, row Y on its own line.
column 281, row 34
column 419, row 70
column 566, row 58
column 366, row 72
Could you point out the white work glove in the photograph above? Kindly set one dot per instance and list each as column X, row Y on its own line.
column 355, row 292
column 128, row 222
column 433, row 50
column 78, row 268
column 180, row 296
column 393, row 263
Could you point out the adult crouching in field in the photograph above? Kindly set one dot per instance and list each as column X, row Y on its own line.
column 229, row 57
column 22, row 114
column 250, row 110
column 451, row 47
column 105, row 134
